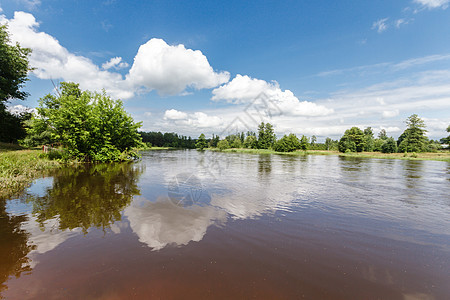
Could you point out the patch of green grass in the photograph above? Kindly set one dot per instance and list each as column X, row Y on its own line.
column 8, row 147
column 19, row 168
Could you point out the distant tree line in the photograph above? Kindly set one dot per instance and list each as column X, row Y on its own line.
column 413, row 139
column 168, row 139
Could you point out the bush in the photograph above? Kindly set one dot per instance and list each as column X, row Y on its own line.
column 288, row 143
column 389, row 146
column 223, row 144
column 89, row 126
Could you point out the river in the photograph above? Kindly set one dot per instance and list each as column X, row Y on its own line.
column 194, row 225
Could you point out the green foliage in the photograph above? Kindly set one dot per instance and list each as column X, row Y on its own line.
column 12, row 126
column 288, row 143
column 214, row 141
column 266, row 136
column 168, row 139
column 38, row 133
column 368, row 139
column 201, row 142
column 236, row 143
column 14, row 68
column 382, row 134
column 17, row 168
column 251, row 142
column 389, row 146
column 223, row 144
column 353, row 140
column 90, row 126
column 413, row 139
column 304, row 143
column 377, row 143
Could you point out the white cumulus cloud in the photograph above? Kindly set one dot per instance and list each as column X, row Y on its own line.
column 244, row 89
column 52, row 61
column 157, row 66
column 171, row 69
column 173, row 114
column 116, row 63
column 390, row 113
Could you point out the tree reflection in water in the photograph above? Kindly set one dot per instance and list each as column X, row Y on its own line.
column 13, row 246
column 81, row 197
column 88, row 196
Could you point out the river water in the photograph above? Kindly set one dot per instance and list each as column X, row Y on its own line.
column 194, row 225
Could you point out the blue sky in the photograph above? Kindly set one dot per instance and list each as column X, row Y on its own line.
column 308, row 67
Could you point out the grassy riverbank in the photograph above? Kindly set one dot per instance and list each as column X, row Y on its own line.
column 19, row 167
column 439, row 156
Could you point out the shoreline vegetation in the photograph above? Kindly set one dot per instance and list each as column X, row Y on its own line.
column 436, row 156
column 19, row 166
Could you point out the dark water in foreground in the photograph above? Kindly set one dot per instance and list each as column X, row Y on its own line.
column 184, row 224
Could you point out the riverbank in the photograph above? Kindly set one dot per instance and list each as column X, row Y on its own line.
column 19, row 167
column 438, row 156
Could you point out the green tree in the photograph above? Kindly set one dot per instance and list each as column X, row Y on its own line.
column 389, row 146
column 446, row 140
column 223, row 144
column 201, row 142
column 251, row 142
column 313, row 140
column 413, row 139
column 288, row 143
column 368, row 139
column 14, row 67
column 266, row 136
column 89, row 126
column 352, row 140
column 382, row 134
column 304, row 143
column 377, row 143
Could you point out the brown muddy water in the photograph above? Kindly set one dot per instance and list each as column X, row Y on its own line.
column 202, row 225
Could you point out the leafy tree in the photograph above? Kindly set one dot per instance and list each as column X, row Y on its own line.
column 313, row 140
column 304, row 143
column 352, row 140
column 377, row 143
column 14, row 68
column 413, row 139
column 12, row 126
column 90, row 126
column 446, row 140
column 215, row 139
column 266, row 136
column 251, row 142
column 389, row 146
column 223, row 144
column 201, row 142
column 368, row 139
column 236, row 143
column 382, row 134
column 328, row 143
column 288, row 143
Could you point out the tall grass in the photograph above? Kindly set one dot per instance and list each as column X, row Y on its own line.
column 18, row 168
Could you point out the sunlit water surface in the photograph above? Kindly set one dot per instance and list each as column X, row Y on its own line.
column 188, row 224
